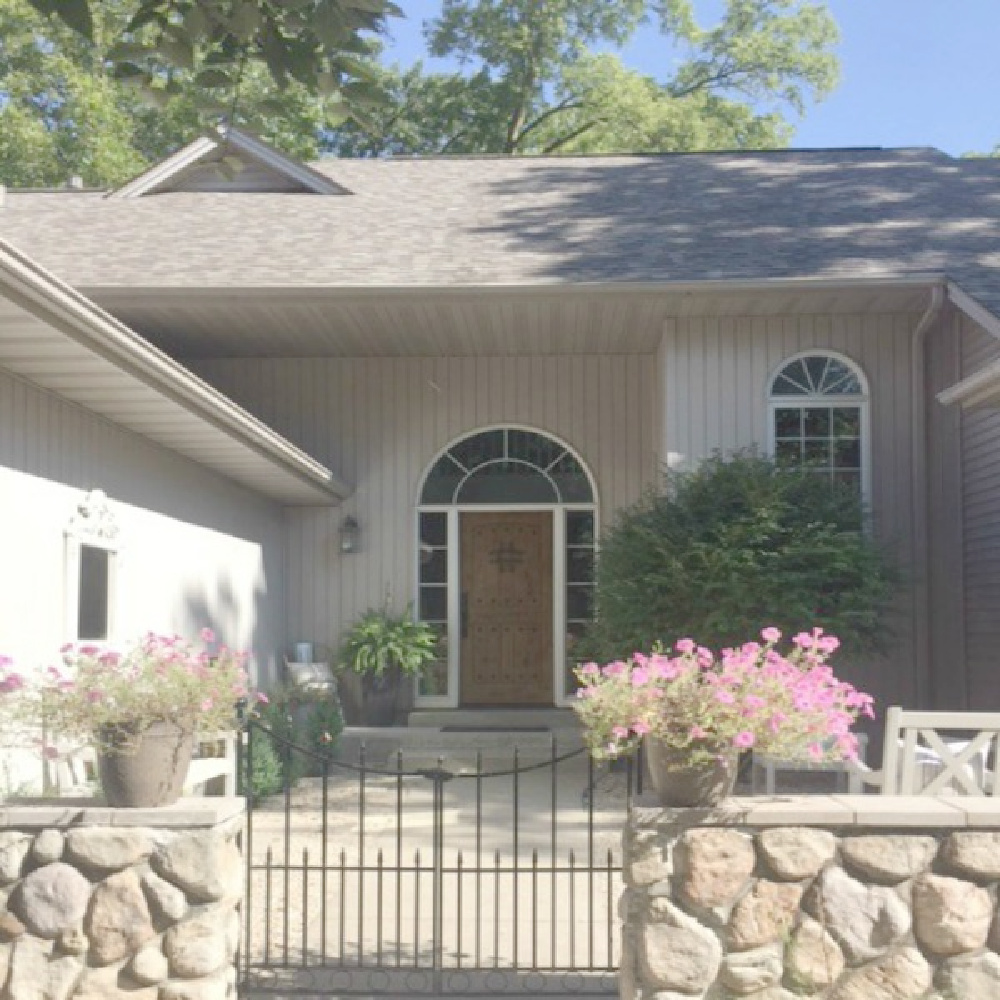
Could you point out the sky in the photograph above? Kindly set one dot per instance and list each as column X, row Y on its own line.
column 913, row 72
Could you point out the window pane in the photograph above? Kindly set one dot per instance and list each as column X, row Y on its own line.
column 847, row 454
column 533, row 448
column 433, row 566
column 479, row 448
column 788, row 452
column 840, row 380
column 574, row 487
column 580, row 566
column 433, row 604
column 847, row 421
column 815, row 366
column 784, row 386
column 579, row 602
column 434, row 529
column 850, row 477
column 442, row 481
column 787, row 423
column 579, row 527
column 95, row 582
column 507, row 482
column 434, row 678
column 817, row 423
column 817, row 453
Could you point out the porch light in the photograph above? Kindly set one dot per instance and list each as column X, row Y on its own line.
column 350, row 534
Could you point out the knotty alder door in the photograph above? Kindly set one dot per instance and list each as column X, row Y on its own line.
column 506, row 566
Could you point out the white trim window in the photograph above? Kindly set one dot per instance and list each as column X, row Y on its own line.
column 91, row 570
column 498, row 469
column 819, row 417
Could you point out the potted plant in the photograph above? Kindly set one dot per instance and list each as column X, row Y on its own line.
column 383, row 648
column 697, row 712
column 141, row 709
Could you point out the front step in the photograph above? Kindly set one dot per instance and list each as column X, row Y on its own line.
column 423, row 746
column 488, row 719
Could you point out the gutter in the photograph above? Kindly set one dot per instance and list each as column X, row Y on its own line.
column 99, row 332
column 920, row 487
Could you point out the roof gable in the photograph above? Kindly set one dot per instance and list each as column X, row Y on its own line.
column 229, row 161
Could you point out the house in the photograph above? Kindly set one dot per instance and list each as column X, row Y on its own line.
column 305, row 390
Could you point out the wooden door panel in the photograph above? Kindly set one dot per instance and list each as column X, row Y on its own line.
column 506, row 563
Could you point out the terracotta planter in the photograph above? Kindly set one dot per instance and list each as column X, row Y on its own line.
column 151, row 768
column 678, row 782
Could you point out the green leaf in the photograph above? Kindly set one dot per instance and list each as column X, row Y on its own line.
column 213, row 78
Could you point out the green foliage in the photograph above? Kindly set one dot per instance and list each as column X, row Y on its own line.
column 324, row 722
column 532, row 80
column 315, row 43
column 732, row 547
column 279, row 717
column 380, row 640
column 261, row 771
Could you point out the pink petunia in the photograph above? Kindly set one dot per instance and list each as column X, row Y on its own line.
column 770, row 634
column 620, row 732
column 640, row 677
column 640, row 728
column 697, row 733
column 744, row 740
column 207, row 635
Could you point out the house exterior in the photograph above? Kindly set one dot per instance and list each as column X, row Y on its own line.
column 478, row 362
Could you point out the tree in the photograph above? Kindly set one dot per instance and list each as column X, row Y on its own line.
column 531, row 82
column 732, row 547
column 64, row 114
column 314, row 42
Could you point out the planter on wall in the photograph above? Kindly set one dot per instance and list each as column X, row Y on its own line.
column 679, row 782
column 150, row 769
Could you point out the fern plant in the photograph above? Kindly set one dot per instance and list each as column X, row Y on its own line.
column 380, row 641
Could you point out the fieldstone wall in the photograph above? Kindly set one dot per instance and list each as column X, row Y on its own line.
column 120, row 904
column 743, row 905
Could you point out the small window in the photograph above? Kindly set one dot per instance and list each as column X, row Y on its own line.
column 819, row 413
column 93, row 605
column 91, row 555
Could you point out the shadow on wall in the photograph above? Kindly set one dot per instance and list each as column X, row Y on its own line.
column 257, row 629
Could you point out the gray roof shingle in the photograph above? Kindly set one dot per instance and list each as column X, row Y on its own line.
column 470, row 221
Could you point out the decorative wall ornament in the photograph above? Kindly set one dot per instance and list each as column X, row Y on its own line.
column 94, row 520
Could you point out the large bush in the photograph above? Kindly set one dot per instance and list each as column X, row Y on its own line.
column 735, row 545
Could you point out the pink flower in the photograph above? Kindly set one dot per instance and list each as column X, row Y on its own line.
column 640, row 676
column 589, row 670
column 770, row 634
column 744, row 739
column 725, row 697
column 685, row 646
column 207, row 635
column 262, row 699
column 697, row 733
column 803, row 640
column 620, row 732
column 206, row 705
column 640, row 728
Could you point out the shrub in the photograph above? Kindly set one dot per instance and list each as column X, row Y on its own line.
column 731, row 547
column 278, row 716
column 324, row 722
column 265, row 770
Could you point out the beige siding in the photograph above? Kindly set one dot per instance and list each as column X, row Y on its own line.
column 379, row 422
column 981, row 504
column 195, row 549
column 715, row 373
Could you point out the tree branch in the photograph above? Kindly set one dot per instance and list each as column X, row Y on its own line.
column 569, row 104
column 570, row 136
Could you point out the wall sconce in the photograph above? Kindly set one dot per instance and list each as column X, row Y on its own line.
column 350, row 534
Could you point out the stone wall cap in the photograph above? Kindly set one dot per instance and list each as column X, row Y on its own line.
column 187, row 813
column 872, row 811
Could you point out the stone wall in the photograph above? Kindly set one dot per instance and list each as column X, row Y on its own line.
column 832, row 897
column 109, row 904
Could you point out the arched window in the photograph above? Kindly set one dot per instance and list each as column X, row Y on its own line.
column 507, row 466
column 819, row 416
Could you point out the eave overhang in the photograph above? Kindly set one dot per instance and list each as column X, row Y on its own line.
column 54, row 337
column 982, row 388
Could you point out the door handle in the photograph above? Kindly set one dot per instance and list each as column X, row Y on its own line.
column 465, row 614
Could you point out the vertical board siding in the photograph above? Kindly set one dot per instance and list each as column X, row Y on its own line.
column 981, row 506
column 379, row 422
column 714, row 375
column 195, row 548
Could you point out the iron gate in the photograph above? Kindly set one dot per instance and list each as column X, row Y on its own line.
column 495, row 873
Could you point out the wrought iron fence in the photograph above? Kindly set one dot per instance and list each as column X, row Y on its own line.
column 475, row 875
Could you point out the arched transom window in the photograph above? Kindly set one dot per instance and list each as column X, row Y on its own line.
column 819, row 416
column 507, row 466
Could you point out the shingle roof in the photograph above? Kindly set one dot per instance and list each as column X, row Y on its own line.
column 471, row 221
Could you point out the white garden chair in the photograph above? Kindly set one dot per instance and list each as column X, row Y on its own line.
column 921, row 758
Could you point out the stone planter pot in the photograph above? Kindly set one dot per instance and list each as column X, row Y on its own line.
column 150, row 768
column 678, row 782
column 380, row 697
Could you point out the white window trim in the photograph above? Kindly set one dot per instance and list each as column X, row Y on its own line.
column 93, row 524
column 561, row 698
column 862, row 402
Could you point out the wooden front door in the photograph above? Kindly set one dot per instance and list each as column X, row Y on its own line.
column 506, row 609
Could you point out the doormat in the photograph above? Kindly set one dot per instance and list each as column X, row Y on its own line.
column 494, row 729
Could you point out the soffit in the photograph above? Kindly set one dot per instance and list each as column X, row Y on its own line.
column 307, row 322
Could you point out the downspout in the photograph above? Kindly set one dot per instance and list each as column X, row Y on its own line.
column 920, row 487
